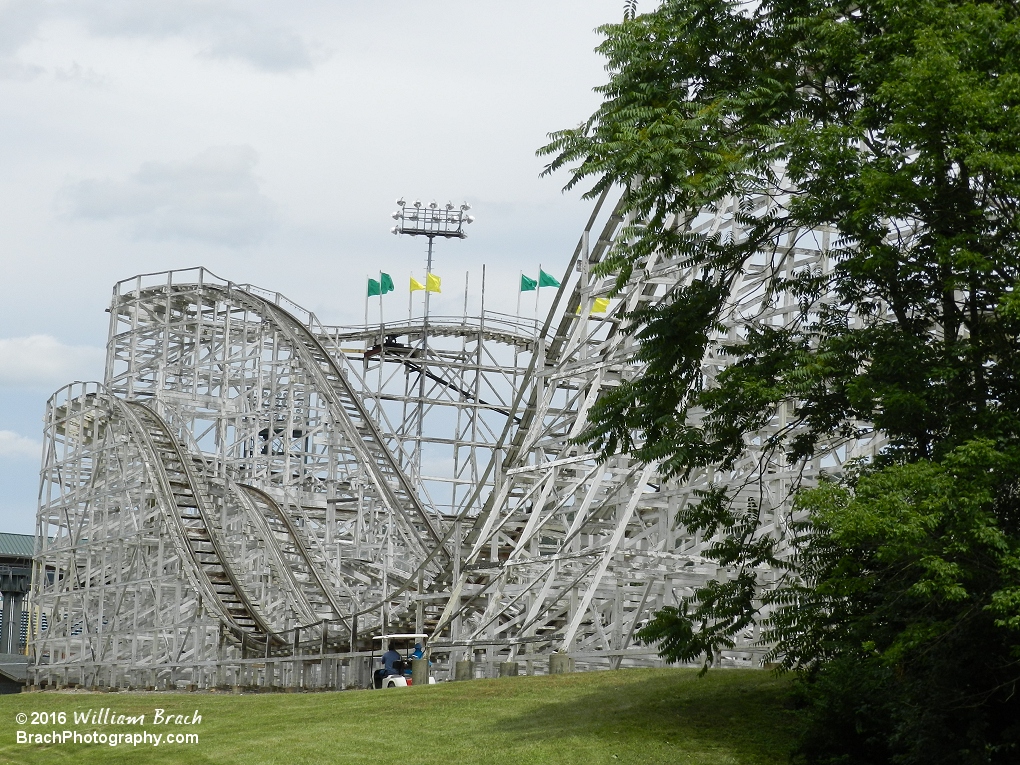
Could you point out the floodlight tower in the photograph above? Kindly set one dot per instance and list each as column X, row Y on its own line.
column 430, row 221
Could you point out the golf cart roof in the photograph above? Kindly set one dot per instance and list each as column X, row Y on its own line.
column 401, row 635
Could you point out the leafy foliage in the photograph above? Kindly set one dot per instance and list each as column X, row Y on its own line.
column 895, row 125
column 910, row 576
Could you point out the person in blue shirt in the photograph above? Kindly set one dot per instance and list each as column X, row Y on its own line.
column 389, row 660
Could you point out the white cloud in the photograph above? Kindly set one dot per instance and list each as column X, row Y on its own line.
column 214, row 198
column 19, row 22
column 14, row 445
column 275, row 50
column 42, row 361
column 222, row 29
column 218, row 28
column 77, row 73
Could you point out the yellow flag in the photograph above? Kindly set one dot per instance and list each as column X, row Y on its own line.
column 416, row 285
column 601, row 305
column 432, row 283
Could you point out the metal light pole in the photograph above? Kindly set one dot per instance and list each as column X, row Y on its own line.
column 429, row 220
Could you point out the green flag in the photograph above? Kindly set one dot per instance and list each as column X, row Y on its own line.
column 544, row 280
column 527, row 285
column 385, row 283
column 373, row 288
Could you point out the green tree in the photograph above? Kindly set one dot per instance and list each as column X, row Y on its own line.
column 908, row 606
column 897, row 124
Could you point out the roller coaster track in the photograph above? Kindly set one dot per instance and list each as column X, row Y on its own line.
column 190, row 484
column 321, row 585
column 523, row 555
column 349, row 413
column 557, row 352
column 308, row 580
column 184, row 508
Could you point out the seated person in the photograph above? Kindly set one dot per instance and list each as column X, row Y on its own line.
column 417, row 653
column 392, row 663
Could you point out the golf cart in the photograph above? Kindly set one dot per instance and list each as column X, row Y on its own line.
column 397, row 673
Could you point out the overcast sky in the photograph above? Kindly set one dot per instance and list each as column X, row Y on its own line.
column 268, row 142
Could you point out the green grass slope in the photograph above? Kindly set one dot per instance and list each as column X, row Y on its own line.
column 630, row 716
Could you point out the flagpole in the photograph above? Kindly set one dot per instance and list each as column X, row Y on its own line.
column 380, row 299
column 538, row 291
column 520, row 286
column 366, row 300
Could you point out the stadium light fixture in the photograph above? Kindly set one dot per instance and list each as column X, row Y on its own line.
column 432, row 220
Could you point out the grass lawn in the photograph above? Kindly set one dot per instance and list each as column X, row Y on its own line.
column 629, row 716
